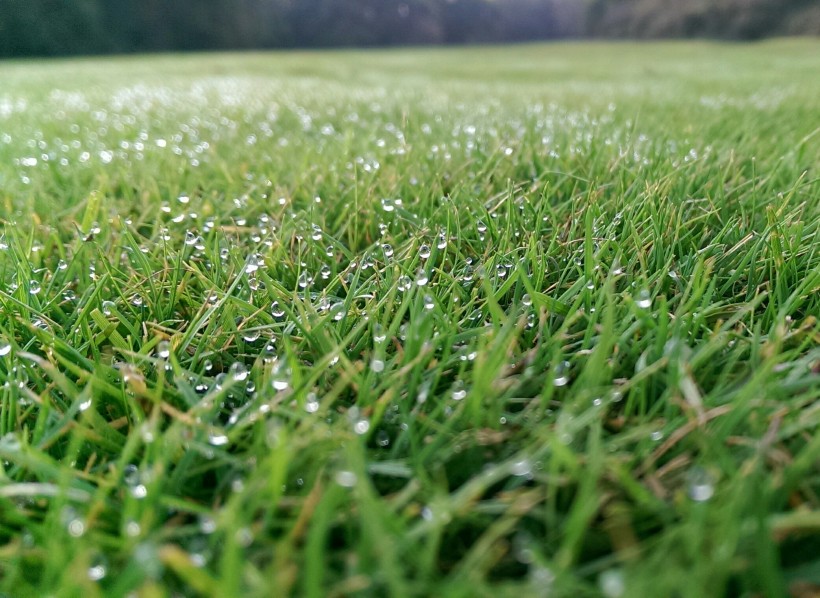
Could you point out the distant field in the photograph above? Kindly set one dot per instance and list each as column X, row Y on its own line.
column 522, row 321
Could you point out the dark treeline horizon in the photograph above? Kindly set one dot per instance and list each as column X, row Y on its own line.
column 71, row 27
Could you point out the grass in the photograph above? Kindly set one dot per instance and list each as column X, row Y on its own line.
column 471, row 322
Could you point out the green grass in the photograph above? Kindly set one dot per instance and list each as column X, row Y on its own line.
column 579, row 357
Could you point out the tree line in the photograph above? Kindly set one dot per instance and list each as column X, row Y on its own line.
column 60, row 27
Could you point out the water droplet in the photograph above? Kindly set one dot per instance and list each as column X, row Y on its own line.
column 108, row 307
column 325, row 272
column 276, row 310
column 388, row 205
column 421, row 277
column 656, row 436
column 424, row 252
column 459, row 392
column 304, row 280
column 612, row 583
column 5, row 347
column 311, row 403
column 238, row 371
column 700, row 484
column 280, row 377
column 404, row 283
column 526, row 300
column 183, row 199
column 72, row 521
column 98, row 569
column 163, row 349
column 361, row 426
column 62, row 265
column 207, row 525
column 429, row 303
column 215, row 439
column 379, row 334
column 522, row 468
column 644, row 299
column 383, row 439
column 346, row 479
column 85, row 405
column 133, row 478
column 132, row 529
column 561, row 374
column 34, row 287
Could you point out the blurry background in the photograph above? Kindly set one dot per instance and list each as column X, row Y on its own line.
column 57, row 27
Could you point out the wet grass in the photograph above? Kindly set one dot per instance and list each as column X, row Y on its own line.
column 486, row 322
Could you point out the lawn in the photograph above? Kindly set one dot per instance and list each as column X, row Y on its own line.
column 524, row 321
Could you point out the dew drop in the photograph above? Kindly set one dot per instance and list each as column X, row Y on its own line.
column 700, row 484
column 404, row 283
column 98, row 569
column 346, row 479
column 612, row 583
column 163, row 349
column 522, row 468
column 644, row 299
column 311, row 403
column 215, row 439
column 561, row 374
column 421, row 277
column 424, row 252
column 459, row 392
column 276, row 310
column 280, row 377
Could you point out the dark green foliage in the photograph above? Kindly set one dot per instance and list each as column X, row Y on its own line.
column 55, row 27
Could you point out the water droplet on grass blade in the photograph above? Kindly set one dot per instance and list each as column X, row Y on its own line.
column 280, row 377
column 700, row 484
column 311, row 403
column 216, row 439
column 561, row 374
column 644, row 299
column 346, row 479
column 612, row 583
column 421, row 277
column 276, row 310
column 98, row 568
column 163, row 349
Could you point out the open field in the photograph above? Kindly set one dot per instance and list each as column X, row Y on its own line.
column 518, row 321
